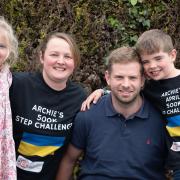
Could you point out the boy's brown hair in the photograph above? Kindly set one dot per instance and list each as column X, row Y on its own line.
column 153, row 41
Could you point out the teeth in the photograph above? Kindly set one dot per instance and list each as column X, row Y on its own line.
column 155, row 73
column 59, row 69
column 125, row 93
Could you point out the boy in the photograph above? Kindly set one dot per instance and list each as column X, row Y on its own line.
column 163, row 88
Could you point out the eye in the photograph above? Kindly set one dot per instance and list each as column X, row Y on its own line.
column 66, row 56
column 158, row 58
column 119, row 77
column 2, row 46
column 133, row 78
column 54, row 55
column 145, row 61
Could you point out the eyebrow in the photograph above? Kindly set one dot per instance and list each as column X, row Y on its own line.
column 155, row 57
column 53, row 51
column 158, row 56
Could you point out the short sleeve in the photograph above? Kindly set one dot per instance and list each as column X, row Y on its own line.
column 79, row 133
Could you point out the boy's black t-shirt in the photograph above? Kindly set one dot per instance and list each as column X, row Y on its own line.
column 165, row 95
column 42, row 119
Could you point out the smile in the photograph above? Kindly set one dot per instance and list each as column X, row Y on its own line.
column 59, row 68
column 125, row 93
column 155, row 73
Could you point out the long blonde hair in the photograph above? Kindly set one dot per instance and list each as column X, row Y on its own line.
column 13, row 42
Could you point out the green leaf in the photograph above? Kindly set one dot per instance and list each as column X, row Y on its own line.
column 133, row 2
column 146, row 23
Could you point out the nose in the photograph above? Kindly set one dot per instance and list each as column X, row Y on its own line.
column 152, row 64
column 60, row 60
column 126, row 83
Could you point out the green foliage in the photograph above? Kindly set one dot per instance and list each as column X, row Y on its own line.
column 133, row 2
column 137, row 17
column 98, row 27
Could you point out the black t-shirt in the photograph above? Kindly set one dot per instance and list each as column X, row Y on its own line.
column 42, row 120
column 165, row 95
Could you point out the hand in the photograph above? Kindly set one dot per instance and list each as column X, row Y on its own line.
column 92, row 98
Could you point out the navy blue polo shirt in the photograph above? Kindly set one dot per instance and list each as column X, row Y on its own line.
column 119, row 148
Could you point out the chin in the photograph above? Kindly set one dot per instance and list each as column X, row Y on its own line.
column 61, row 79
column 60, row 76
column 156, row 78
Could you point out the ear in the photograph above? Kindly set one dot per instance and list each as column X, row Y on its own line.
column 41, row 57
column 107, row 77
column 173, row 54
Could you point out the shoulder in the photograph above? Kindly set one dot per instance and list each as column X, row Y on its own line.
column 150, row 83
column 94, row 117
column 24, row 80
column 155, row 119
column 23, row 76
column 153, row 112
column 75, row 86
column 152, row 89
column 76, row 90
column 148, row 104
column 95, row 109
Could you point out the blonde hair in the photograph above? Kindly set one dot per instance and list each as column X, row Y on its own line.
column 13, row 43
column 153, row 41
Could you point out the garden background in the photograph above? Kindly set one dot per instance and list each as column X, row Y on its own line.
column 98, row 26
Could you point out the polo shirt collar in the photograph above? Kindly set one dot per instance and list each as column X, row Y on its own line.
column 143, row 113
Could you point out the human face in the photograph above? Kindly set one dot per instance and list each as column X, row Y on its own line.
column 125, row 81
column 159, row 65
column 58, row 63
column 4, row 48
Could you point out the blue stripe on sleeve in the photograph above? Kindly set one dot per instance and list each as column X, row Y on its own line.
column 173, row 121
column 42, row 140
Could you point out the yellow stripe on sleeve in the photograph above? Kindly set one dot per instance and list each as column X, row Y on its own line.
column 173, row 131
column 32, row 150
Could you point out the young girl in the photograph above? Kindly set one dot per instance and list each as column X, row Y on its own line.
column 8, row 53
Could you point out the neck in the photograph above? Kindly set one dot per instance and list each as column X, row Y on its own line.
column 127, row 109
column 175, row 72
column 56, row 85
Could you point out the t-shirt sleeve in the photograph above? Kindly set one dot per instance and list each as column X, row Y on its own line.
column 79, row 133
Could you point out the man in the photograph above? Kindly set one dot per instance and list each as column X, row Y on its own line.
column 123, row 135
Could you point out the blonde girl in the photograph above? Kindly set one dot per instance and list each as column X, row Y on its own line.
column 8, row 54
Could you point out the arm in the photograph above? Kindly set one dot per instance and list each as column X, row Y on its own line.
column 68, row 162
column 92, row 98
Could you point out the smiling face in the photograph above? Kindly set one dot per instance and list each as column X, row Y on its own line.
column 4, row 47
column 159, row 65
column 58, row 63
column 125, row 81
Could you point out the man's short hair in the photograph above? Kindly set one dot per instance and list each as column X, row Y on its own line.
column 123, row 55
